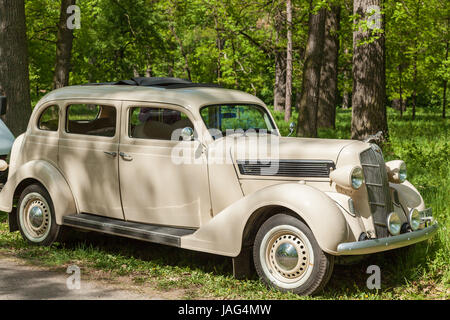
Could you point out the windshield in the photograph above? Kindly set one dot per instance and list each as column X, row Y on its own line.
column 230, row 118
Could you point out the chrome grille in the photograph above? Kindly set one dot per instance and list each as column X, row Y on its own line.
column 377, row 186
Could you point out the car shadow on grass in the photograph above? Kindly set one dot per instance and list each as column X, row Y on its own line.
column 160, row 254
column 398, row 267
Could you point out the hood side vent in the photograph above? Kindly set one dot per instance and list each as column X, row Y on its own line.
column 286, row 168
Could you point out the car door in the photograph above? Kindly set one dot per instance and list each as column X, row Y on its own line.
column 88, row 155
column 162, row 180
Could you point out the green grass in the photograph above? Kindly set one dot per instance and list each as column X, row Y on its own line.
column 418, row 272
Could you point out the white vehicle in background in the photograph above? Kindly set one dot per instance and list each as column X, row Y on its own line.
column 6, row 141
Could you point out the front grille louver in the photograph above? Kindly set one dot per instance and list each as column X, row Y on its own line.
column 286, row 168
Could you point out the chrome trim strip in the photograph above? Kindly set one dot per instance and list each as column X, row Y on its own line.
column 389, row 243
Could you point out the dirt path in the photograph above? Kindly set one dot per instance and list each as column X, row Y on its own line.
column 24, row 282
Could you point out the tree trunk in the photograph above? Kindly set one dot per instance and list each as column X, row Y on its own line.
column 279, row 90
column 63, row 48
column 326, row 111
column 414, row 93
column 288, row 105
column 416, row 49
column 347, row 88
column 14, row 73
column 346, row 100
column 444, row 93
column 369, row 79
column 307, row 118
column 400, row 89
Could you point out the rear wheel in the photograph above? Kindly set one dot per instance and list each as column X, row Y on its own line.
column 288, row 257
column 36, row 217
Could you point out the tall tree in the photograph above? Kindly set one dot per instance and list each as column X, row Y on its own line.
column 63, row 47
column 307, row 108
column 288, row 108
column 326, row 111
column 444, row 91
column 279, row 89
column 369, row 84
column 14, row 74
column 415, row 58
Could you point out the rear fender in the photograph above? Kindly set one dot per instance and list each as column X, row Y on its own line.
column 47, row 175
column 223, row 234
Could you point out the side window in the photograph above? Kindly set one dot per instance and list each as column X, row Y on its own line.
column 91, row 119
column 156, row 123
column 49, row 119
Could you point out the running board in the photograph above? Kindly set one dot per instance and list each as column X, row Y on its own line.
column 147, row 232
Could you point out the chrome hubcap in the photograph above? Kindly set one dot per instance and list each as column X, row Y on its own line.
column 36, row 216
column 286, row 256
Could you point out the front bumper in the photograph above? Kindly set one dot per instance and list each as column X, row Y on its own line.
column 388, row 243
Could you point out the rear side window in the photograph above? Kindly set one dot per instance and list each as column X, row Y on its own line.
column 49, row 119
column 91, row 119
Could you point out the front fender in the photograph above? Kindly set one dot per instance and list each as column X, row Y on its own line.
column 409, row 196
column 50, row 178
column 223, row 233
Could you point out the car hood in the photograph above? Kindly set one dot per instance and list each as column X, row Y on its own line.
column 284, row 148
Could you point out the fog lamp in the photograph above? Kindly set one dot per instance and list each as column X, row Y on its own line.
column 394, row 223
column 414, row 219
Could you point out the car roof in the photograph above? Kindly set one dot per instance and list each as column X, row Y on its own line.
column 190, row 97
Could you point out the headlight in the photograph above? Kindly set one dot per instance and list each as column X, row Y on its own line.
column 357, row 178
column 414, row 219
column 394, row 223
column 396, row 170
column 349, row 177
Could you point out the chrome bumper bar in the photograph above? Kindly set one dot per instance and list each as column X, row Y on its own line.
column 389, row 243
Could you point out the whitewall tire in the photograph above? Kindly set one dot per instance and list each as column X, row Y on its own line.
column 287, row 256
column 36, row 217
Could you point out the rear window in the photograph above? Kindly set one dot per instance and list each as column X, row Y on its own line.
column 49, row 119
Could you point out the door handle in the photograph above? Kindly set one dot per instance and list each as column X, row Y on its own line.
column 110, row 153
column 125, row 156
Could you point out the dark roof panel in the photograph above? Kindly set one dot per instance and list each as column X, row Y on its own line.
column 168, row 83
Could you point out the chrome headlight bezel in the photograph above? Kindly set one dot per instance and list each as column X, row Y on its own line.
column 348, row 177
column 357, row 178
column 414, row 219
column 394, row 223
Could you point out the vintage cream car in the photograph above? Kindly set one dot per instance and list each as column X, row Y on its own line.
column 173, row 162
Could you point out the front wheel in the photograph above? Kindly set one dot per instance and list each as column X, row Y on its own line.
column 288, row 257
column 36, row 217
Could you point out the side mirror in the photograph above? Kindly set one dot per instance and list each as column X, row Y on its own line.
column 2, row 105
column 187, row 134
column 291, row 128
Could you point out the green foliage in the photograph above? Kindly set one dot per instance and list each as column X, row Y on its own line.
column 417, row 33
